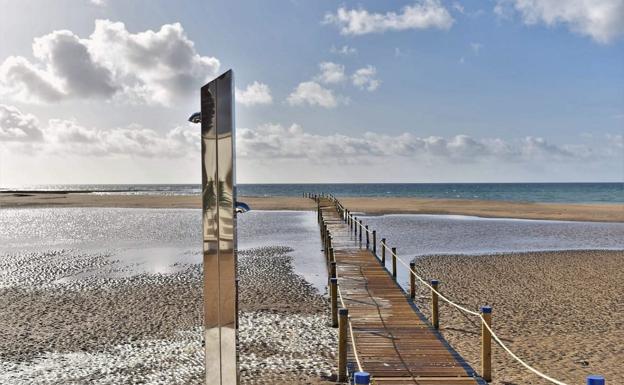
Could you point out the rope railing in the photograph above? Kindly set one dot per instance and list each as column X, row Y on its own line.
column 350, row 324
column 347, row 215
column 483, row 322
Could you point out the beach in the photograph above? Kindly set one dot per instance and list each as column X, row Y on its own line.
column 96, row 296
column 607, row 212
column 82, row 300
column 561, row 311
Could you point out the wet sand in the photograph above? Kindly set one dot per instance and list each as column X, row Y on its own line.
column 495, row 209
column 560, row 311
column 146, row 328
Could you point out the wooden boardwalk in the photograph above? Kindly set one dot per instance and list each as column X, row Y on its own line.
column 394, row 342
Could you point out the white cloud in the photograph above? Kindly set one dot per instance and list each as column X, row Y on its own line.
column 274, row 141
column 99, row 3
column 69, row 137
column 398, row 52
column 18, row 127
column 23, row 132
column 159, row 65
column 602, row 20
column 364, row 78
column 344, row 50
column 146, row 67
column 256, row 93
column 476, row 48
column 616, row 141
column 314, row 94
column 331, row 73
column 21, row 80
column 132, row 141
column 67, row 57
column 423, row 14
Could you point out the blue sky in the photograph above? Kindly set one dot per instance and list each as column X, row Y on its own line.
column 410, row 91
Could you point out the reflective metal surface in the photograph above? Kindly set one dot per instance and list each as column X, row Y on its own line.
column 219, row 228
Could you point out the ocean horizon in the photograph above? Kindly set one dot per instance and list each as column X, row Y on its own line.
column 569, row 192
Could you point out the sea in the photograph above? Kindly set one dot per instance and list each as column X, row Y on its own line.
column 522, row 192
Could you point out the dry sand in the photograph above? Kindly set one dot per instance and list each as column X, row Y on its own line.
column 561, row 311
column 500, row 209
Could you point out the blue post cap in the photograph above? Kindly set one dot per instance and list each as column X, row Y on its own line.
column 434, row 281
column 361, row 378
column 486, row 309
column 595, row 380
column 343, row 311
column 333, row 280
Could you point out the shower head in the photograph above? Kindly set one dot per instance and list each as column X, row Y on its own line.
column 195, row 118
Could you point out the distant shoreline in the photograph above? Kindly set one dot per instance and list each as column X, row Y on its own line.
column 592, row 212
column 565, row 193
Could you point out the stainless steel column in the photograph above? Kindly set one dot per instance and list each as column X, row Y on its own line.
column 219, row 228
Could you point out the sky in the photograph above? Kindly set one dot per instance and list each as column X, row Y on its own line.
column 98, row 91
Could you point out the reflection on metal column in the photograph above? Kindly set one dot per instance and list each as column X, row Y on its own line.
column 219, row 228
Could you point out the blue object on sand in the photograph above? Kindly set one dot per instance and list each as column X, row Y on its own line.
column 361, row 378
column 595, row 380
column 486, row 309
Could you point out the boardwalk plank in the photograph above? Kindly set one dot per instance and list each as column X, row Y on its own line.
column 394, row 342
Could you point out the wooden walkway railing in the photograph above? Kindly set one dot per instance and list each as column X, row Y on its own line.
column 386, row 334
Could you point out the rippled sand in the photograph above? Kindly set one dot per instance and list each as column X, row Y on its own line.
column 114, row 296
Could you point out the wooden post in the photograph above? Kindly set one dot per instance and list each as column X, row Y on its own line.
column 367, row 237
column 394, row 269
column 332, row 270
column 326, row 244
column 324, row 233
column 333, row 291
column 329, row 247
column 486, row 344
column 435, row 316
column 355, row 226
column 318, row 213
column 375, row 243
column 332, row 256
column 412, row 280
column 360, row 226
column 383, row 251
column 343, row 315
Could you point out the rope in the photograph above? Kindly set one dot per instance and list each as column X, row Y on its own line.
column 496, row 338
column 358, row 223
column 355, row 354
column 466, row 310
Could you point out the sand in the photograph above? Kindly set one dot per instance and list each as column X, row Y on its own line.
column 498, row 209
column 146, row 328
column 560, row 311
